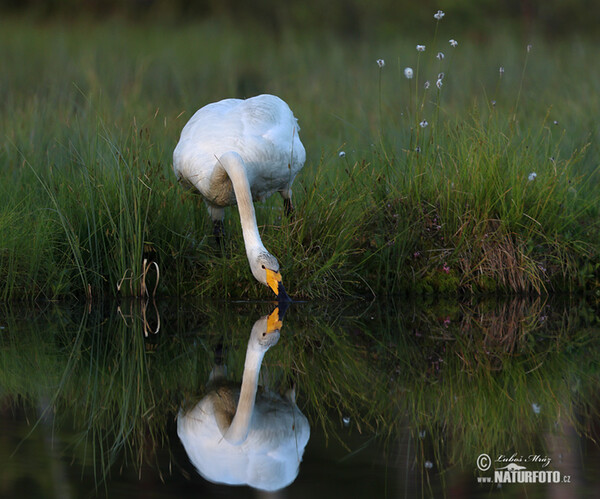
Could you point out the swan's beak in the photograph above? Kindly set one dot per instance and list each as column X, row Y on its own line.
column 274, row 282
column 273, row 321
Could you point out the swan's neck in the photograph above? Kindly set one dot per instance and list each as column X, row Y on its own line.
column 240, row 425
column 234, row 166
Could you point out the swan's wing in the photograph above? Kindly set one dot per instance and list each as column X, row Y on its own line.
column 210, row 132
column 262, row 129
column 271, row 145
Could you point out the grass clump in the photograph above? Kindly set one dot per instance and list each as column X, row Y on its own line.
column 481, row 182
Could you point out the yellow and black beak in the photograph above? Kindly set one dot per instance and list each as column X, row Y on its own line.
column 274, row 282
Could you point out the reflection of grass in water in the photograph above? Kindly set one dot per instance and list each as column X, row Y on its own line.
column 102, row 378
column 470, row 378
column 442, row 369
column 492, row 380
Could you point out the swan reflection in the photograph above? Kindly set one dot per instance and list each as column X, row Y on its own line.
column 246, row 435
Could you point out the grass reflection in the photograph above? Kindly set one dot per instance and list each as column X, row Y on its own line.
column 446, row 381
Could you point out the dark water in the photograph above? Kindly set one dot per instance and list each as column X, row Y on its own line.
column 391, row 400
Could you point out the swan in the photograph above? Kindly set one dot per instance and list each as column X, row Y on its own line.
column 236, row 151
column 243, row 435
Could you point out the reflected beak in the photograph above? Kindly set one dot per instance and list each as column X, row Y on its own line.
column 273, row 322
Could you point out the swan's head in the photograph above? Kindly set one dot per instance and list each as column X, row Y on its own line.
column 265, row 269
column 265, row 332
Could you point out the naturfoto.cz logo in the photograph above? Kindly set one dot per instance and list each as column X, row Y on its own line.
column 513, row 469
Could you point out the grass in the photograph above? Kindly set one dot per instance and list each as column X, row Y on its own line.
column 91, row 114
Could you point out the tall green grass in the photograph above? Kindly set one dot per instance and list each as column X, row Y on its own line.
column 91, row 113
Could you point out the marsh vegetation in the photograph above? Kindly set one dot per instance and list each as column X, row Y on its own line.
column 496, row 194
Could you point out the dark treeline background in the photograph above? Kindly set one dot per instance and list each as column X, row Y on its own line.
column 551, row 18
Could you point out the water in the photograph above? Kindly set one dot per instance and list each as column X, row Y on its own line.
column 392, row 400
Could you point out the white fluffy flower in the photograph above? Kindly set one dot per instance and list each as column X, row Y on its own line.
column 532, row 176
column 438, row 15
column 439, row 83
column 380, row 63
column 424, row 123
column 341, row 154
column 501, row 70
column 426, row 85
column 420, row 48
column 453, row 42
column 408, row 72
column 440, row 55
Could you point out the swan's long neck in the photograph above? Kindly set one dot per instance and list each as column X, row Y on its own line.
column 234, row 166
column 240, row 425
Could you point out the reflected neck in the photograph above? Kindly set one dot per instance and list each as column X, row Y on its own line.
column 240, row 425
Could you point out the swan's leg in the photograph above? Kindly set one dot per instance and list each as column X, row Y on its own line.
column 218, row 229
column 219, row 370
column 217, row 215
column 288, row 208
column 291, row 394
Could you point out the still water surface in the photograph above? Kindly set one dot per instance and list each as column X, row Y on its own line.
column 363, row 399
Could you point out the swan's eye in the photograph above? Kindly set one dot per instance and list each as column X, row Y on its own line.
column 263, row 266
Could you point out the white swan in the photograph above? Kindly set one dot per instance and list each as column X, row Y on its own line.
column 238, row 151
column 246, row 435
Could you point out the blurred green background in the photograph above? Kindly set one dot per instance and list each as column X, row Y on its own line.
column 346, row 17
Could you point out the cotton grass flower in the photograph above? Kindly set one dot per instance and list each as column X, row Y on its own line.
column 532, row 176
column 342, row 154
column 453, row 42
column 440, row 55
column 501, row 70
column 423, row 123
column 438, row 15
column 420, row 48
column 408, row 72
column 380, row 63
column 439, row 83
column 426, row 85
column 441, row 76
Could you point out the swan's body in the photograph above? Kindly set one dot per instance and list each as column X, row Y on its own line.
column 246, row 435
column 237, row 151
